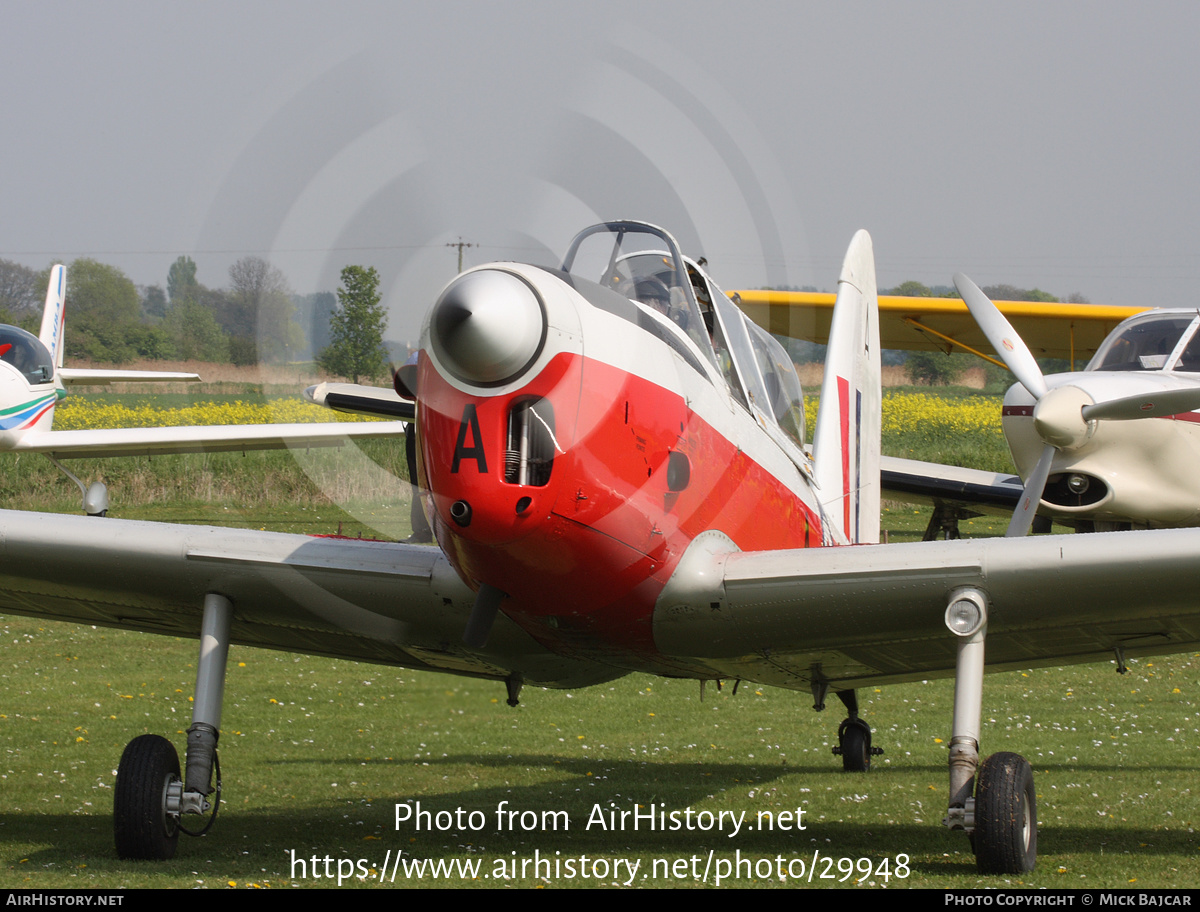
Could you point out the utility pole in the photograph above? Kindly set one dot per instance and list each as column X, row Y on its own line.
column 460, row 244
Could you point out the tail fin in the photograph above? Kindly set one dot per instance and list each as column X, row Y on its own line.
column 846, row 442
column 53, row 320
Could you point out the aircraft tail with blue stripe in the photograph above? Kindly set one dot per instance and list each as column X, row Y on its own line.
column 53, row 317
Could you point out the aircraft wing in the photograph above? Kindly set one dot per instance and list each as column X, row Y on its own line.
column 912, row 481
column 873, row 614
column 379, row 602
column 74, row 376
column 158, row 441
column 847, row 617
column 941, row 324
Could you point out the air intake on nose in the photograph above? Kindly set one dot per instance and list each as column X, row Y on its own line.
column 529, row 452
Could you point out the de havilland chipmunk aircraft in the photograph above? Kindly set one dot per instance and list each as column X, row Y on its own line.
column 33, row 380
column 613, row 463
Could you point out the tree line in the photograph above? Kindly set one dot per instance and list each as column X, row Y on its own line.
column 259, row 319
column 256, row 319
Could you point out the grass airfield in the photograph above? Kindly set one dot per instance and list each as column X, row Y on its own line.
column 317, row 753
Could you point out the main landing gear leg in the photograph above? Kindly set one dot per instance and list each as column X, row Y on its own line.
column 854, row 737
column 150, row 798
column 993, row 803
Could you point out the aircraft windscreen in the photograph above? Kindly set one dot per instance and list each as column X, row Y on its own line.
column 784, row 395
column 27, row 354
column 642, row 263
column 1143, row 345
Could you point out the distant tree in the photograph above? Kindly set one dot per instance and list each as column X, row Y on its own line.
column 934, row 368
column 181, row 278
column 195, row 333
column 1012, row 293
column 261, row 310
column 154, row 302
column 151, row 342
column 910, row 289
column 356, row 328
column 20, row 292
column 102, row 311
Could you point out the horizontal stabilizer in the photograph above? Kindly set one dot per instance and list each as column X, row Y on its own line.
column 912, row 481
column 72, row 376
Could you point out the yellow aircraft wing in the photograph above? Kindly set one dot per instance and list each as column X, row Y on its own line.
column 944, row 324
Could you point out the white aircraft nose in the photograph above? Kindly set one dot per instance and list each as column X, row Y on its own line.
column 487, row 327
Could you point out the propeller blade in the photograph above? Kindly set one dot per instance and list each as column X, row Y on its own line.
column 1147, row 405
column 483, row 616
column 1008, row 345
column 1036, row 483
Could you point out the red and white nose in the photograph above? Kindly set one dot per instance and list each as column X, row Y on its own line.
column 488, row 327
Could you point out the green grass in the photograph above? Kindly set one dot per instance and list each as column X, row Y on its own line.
column 317, row 753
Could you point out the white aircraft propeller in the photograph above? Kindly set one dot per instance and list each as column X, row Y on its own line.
column 1168, row 402
column 1064, row 416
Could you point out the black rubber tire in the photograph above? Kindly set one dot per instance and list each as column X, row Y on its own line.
column 856, row 749
column 1005, row 838
column 141, row 827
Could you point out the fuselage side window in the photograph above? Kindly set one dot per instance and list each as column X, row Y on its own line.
column 734, row 324
column 784, row 395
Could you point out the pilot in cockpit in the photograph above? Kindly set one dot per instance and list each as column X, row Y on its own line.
column 26, row 353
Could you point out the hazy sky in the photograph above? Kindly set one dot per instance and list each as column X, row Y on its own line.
column 1042, row 144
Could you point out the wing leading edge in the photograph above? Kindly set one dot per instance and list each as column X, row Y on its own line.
column 159, row 441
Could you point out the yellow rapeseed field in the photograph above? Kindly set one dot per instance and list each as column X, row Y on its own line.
column 904, row 412
column 83, row 414
column 930, row 414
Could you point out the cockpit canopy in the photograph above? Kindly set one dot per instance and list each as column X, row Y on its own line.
column 642, row 262
column 1153, row 341
column 27, row 354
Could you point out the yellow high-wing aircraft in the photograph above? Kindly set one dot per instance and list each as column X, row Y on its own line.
column 1069, row 331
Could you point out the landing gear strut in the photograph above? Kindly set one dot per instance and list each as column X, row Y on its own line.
column 150, row 798
column 944, row 521
column 994, row 802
